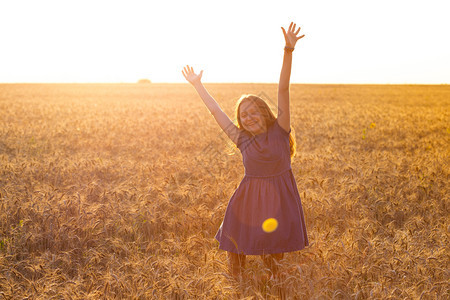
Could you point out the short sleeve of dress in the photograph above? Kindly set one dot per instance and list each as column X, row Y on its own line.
column 279, row 128
column 242, row 139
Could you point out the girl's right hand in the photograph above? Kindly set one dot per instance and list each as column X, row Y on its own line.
column 188, row 73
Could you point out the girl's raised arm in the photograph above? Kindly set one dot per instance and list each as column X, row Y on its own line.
column 291, row 38
column 222, row 119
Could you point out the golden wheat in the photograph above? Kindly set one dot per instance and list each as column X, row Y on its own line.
column 117, row 191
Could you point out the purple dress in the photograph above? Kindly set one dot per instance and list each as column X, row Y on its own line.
column 268, row 190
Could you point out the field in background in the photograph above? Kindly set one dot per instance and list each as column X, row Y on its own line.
column 118, row 190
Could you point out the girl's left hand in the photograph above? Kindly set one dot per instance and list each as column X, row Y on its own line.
column 291, row 36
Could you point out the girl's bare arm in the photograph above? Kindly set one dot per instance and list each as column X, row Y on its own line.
column 284, row 115
column 222, row 119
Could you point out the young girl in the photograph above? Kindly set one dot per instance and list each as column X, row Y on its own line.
column 264, row 216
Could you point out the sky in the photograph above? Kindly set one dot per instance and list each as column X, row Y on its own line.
column 380, row 42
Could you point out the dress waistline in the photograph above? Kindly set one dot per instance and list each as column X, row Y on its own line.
column 265, row 176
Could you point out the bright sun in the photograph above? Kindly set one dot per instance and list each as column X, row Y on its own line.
column 233, row 41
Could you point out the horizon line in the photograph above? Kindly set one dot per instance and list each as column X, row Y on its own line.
column 230, row 82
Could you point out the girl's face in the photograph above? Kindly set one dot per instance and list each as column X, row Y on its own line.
column 251, row 118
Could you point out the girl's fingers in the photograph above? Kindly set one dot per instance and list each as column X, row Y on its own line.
column 290, row 26
column 298, row 31
column 186, row 71
column 300, row 37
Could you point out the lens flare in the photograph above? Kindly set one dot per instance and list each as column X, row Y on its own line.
column 270, row 225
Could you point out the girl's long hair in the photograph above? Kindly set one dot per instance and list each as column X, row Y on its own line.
column 267, row 114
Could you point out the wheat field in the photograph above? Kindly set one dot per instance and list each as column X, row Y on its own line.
column 116, row 191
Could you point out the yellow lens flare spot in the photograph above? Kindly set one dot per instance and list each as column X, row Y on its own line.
column 270, row 225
